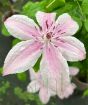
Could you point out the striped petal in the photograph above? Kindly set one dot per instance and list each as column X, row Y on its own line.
column 72, row 49
column 33, row 87
column 21, row 27
column 55, row 66
column 21, row 57
column 65, row 25
column 44, row 95
column 45, row 20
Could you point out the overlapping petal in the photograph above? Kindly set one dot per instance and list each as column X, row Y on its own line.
column 44, row 95
column 38, row 83
column 21, row 27
column 21, row 57
column 33, row 87
column 55, row 66
column 73, row 71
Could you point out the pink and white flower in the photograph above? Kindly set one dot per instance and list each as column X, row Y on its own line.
column 51, row 39
column 41, row 81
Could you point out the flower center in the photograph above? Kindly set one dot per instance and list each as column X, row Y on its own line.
column 46, row 37
column 49, row 35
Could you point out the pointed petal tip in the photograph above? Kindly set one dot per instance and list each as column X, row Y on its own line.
column 44, row 96
column 5, row 73
column 83, row 56
column 33, row 87
column 69, row 91
column 73, row 71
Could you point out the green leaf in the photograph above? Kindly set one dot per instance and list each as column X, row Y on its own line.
column 37, row 65
column 4, row 87
column 54, row 4
column 86, row 24
column 1, row 70
column 72, row 10
column 76, row 64
column 22, row 76
column 68, row 7
column 85, row 7
column 25, row 96
column 31, row 8
column 85, row 93
column 15, row 41
column 4, row 31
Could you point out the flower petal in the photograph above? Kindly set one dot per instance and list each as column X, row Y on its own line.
column 21, row 27
column 73, row 71
column 21, row 57
column 45, row 20
column 33, row 74
column 69, row 90
column 33, row 87
column 55, row 66
column 52, row 93
column 44, row 95
column 66, row 25
column 72, row 49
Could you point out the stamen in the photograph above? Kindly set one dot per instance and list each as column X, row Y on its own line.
column 62, row 32
column 59, row 31
column 40, row 28
column 51, row 23
column 47, row 24
column 35, row 27
column 53, row 27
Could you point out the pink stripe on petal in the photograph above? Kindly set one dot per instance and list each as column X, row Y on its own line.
column 45, row 20
column 23, row 56
column 72, row 49
column 65, row 25
column 55, row 66
column 21, row 27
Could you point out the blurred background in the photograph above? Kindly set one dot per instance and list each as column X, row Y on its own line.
column 13, row 87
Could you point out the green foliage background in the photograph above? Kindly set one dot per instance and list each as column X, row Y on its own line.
column 15, row 85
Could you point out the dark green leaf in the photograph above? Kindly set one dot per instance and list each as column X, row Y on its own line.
column 31, row 8
column 37, row 65
column 22, row 76
column 85, row 6
column 15, row 41
column 4, row 31
column 68, row 7
column 85, row 93
column 86, row 24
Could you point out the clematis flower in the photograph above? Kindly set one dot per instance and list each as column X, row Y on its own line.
column 41, row 82
column 52, row 39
